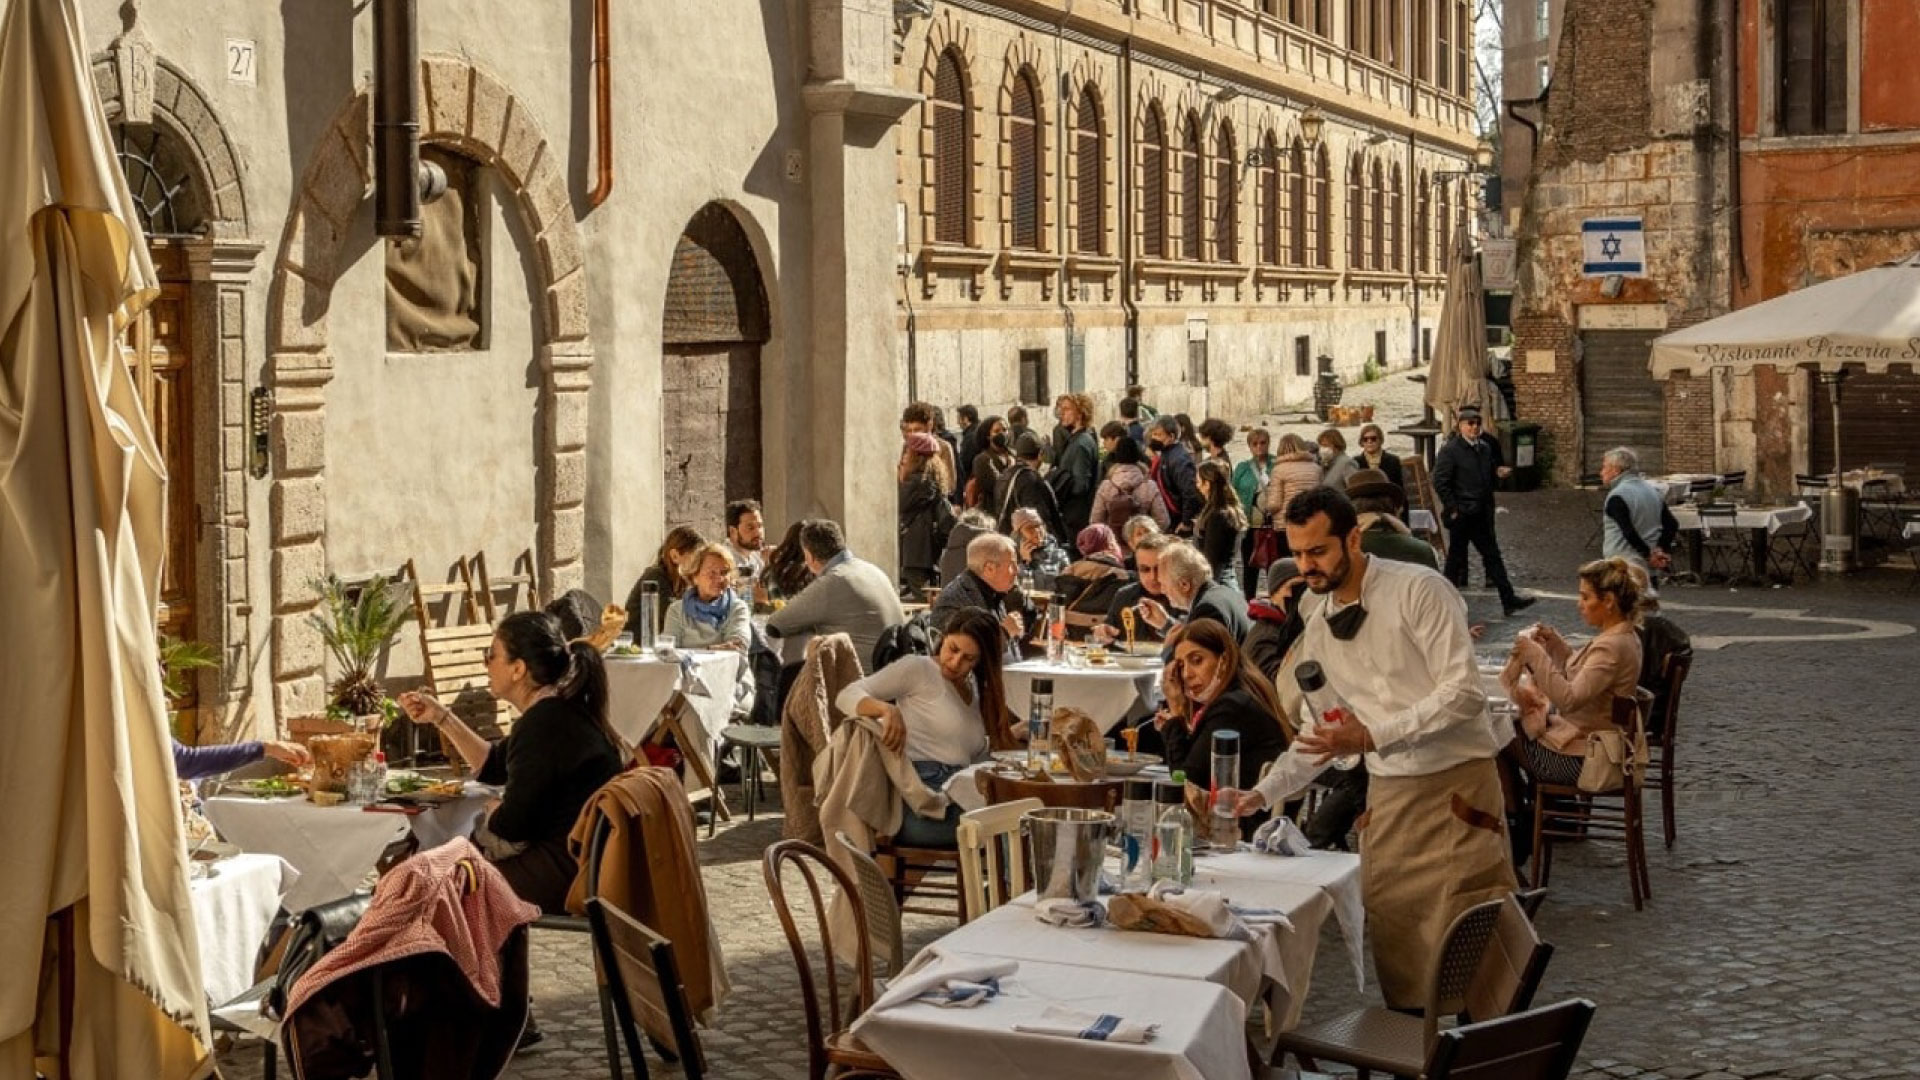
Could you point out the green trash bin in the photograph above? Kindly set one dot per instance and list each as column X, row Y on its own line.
column 1521, row 444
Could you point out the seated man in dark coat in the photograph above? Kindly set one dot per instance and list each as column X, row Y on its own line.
column 1146, row 553
column 987, row 583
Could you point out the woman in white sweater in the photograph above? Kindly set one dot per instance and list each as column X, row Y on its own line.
column 943, row 711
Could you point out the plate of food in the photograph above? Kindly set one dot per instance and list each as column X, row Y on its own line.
column 1121, row 763
column 270, row 787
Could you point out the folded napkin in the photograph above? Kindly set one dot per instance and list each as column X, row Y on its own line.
column 1099, row 1027
column 1280, row 836
column 948, row 982
column 1210, row 909
column 1073, row 913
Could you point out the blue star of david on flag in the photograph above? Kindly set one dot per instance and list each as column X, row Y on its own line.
column 1613, row 246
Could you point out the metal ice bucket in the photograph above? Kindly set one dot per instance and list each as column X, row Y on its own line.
column 1065, row 847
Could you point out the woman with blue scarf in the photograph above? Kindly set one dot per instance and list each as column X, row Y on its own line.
column 710, row 614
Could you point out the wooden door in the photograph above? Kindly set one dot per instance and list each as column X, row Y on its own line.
column 159, row 351
column 710, row 410
column 1623, row 404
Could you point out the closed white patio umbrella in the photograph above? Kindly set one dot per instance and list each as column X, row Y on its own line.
column 96, row 934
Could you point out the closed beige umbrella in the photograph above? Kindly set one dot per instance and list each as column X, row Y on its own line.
column 1459, row 373
column 96, row 934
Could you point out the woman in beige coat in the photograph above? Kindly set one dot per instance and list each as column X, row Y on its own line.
column 1295, row 469
column 1572, row 690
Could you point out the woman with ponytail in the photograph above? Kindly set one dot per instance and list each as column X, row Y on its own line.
column 561, row 751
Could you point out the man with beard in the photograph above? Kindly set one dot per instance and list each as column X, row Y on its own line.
column 1392, row 639
column 746, row 535
column 1147, row 547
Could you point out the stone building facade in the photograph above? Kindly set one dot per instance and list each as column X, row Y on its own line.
column 1751, row 177
column 622, row 358
column 1096, row 194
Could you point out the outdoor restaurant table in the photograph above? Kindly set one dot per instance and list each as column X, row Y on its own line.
column 638, row 687
column 1421, row 520
column 234, row 901
column 1200, row 1035
column 334, row 848
column 1109, row 694
column 1676, row 488
column 1760, row 521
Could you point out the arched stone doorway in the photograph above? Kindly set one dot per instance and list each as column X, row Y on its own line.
column 715, row 322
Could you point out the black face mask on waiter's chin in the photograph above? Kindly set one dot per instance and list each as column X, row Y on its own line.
column 1347, row 623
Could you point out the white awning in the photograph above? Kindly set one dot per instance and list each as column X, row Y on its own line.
column 1871, row 318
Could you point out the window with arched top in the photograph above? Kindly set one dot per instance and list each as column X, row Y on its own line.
column 1226, row 196
column 1443, row 223
column 1377, row 219
column 1192, row 180
column 1396, row 220
column 1023, row 157
column 952, row 152
column 1356, row 213
column 1153, row 186
column 1271, row 190
column 1090, row 183
column 160, row 178
column 1304, row 211
column 1423, row 224
column 1323, row 203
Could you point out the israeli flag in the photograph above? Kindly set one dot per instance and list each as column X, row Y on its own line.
column 1616, row 245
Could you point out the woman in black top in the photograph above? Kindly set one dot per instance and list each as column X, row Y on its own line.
column 1217, row 530
column 560, row 752
column 666, row 574
column 1210, row 687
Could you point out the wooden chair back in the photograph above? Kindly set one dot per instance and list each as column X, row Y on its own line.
column 999, row 788
column 1421, row 496
column 993, row 869
column 453, row 646
column 488, row 589
column 1458, row 962
column 645, row 987
column 1510, row 968
column 1536, row 1045
column 1679, row 665
column 882, row 909
column 833, row 998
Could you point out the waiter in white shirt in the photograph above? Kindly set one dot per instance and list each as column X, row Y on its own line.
column 1392, row 639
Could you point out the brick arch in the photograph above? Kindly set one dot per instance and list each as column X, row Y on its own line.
column 465, row 109
column 181, row 105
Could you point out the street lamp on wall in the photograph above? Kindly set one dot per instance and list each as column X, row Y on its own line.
column 1312, row 123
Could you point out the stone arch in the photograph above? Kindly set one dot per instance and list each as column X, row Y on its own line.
column 464, row 108
column 184, row 109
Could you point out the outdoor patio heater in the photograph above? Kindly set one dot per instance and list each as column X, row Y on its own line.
column 1839, row 504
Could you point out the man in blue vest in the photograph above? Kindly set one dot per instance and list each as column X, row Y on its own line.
column 1635, row 522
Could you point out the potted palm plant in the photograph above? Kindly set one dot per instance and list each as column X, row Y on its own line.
column 357, row 625
column 178, row 661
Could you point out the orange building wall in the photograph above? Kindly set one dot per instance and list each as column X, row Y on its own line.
column 1787, row 193
column 1889, row 78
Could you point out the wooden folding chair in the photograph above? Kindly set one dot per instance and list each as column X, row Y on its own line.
column 455, row 651
column 488, row 588
column 680, row 723
column 1421, row 496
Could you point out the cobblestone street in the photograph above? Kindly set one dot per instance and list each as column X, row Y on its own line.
column 1779, row 941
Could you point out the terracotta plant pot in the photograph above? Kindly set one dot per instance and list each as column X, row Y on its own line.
column 333, row 755
column 1366, row 414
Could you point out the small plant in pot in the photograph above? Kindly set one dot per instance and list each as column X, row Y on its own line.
column 357, row 625
column 178, row 661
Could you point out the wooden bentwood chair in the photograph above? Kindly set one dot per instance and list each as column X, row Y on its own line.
column 1663, row 722
column 832, row 1000
column 1489, row 967
column 1564, row 812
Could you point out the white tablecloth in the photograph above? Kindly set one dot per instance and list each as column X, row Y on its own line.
column 1108, row 694
column 1200, row 1036
column 1676, row 488
column 638, row 687
column 1772, row 519
column 1245, row 875
column 1422, row 520
column 1912, row 530
column 233, row 907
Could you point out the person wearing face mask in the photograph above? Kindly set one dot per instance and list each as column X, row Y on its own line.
column 1211, row 687
column 1392, row 639
column 1336, row 466
column 995, row 456
column 1173, row 471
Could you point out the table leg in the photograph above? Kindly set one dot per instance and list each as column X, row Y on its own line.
column 1761, row 541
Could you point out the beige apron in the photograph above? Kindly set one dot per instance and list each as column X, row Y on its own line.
column 1432, row 847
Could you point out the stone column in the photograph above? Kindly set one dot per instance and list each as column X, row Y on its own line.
column 220, row 271
column 299, row 515
column 853, row 188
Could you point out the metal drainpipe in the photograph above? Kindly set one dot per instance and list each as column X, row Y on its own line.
column 1736, row 241
column 1124, row 133
column 1410, row 198
column 396, row 119
column 1060, row 191
column 602, row 103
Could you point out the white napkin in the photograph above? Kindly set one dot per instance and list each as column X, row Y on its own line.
column 1073, row 913
column 1280, row 836
column 1223, row 920
column 948, row 982
column 1098, row 1027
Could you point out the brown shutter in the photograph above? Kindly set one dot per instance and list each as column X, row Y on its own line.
column 1226, row 194
column 1091, row 188
column 1153, row 193
column 951, row 149
column 1024, row 133
column 1191, row 182
column 1323, row 199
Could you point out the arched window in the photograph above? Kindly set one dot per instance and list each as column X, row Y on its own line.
column 1023, row 154
column 1377, row 219
column 1192, row 180
column 1090, row 189
column 1397, row 220
column 1153, row 186
column 1423, row 224
column 160, row 179
column 1226, row 196
column 1275, row 221
column 1304, row 212
column 1323, row 200
column 1356, row 213
column 1443, row 237
column 952, row 152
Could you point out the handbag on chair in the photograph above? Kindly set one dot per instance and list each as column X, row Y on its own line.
column 1614, row 758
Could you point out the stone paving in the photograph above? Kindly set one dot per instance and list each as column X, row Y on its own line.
column 1781, row 938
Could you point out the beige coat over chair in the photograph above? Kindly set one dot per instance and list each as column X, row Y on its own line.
column 806, row 721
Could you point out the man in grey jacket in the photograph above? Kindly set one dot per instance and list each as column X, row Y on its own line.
column 847, row 595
